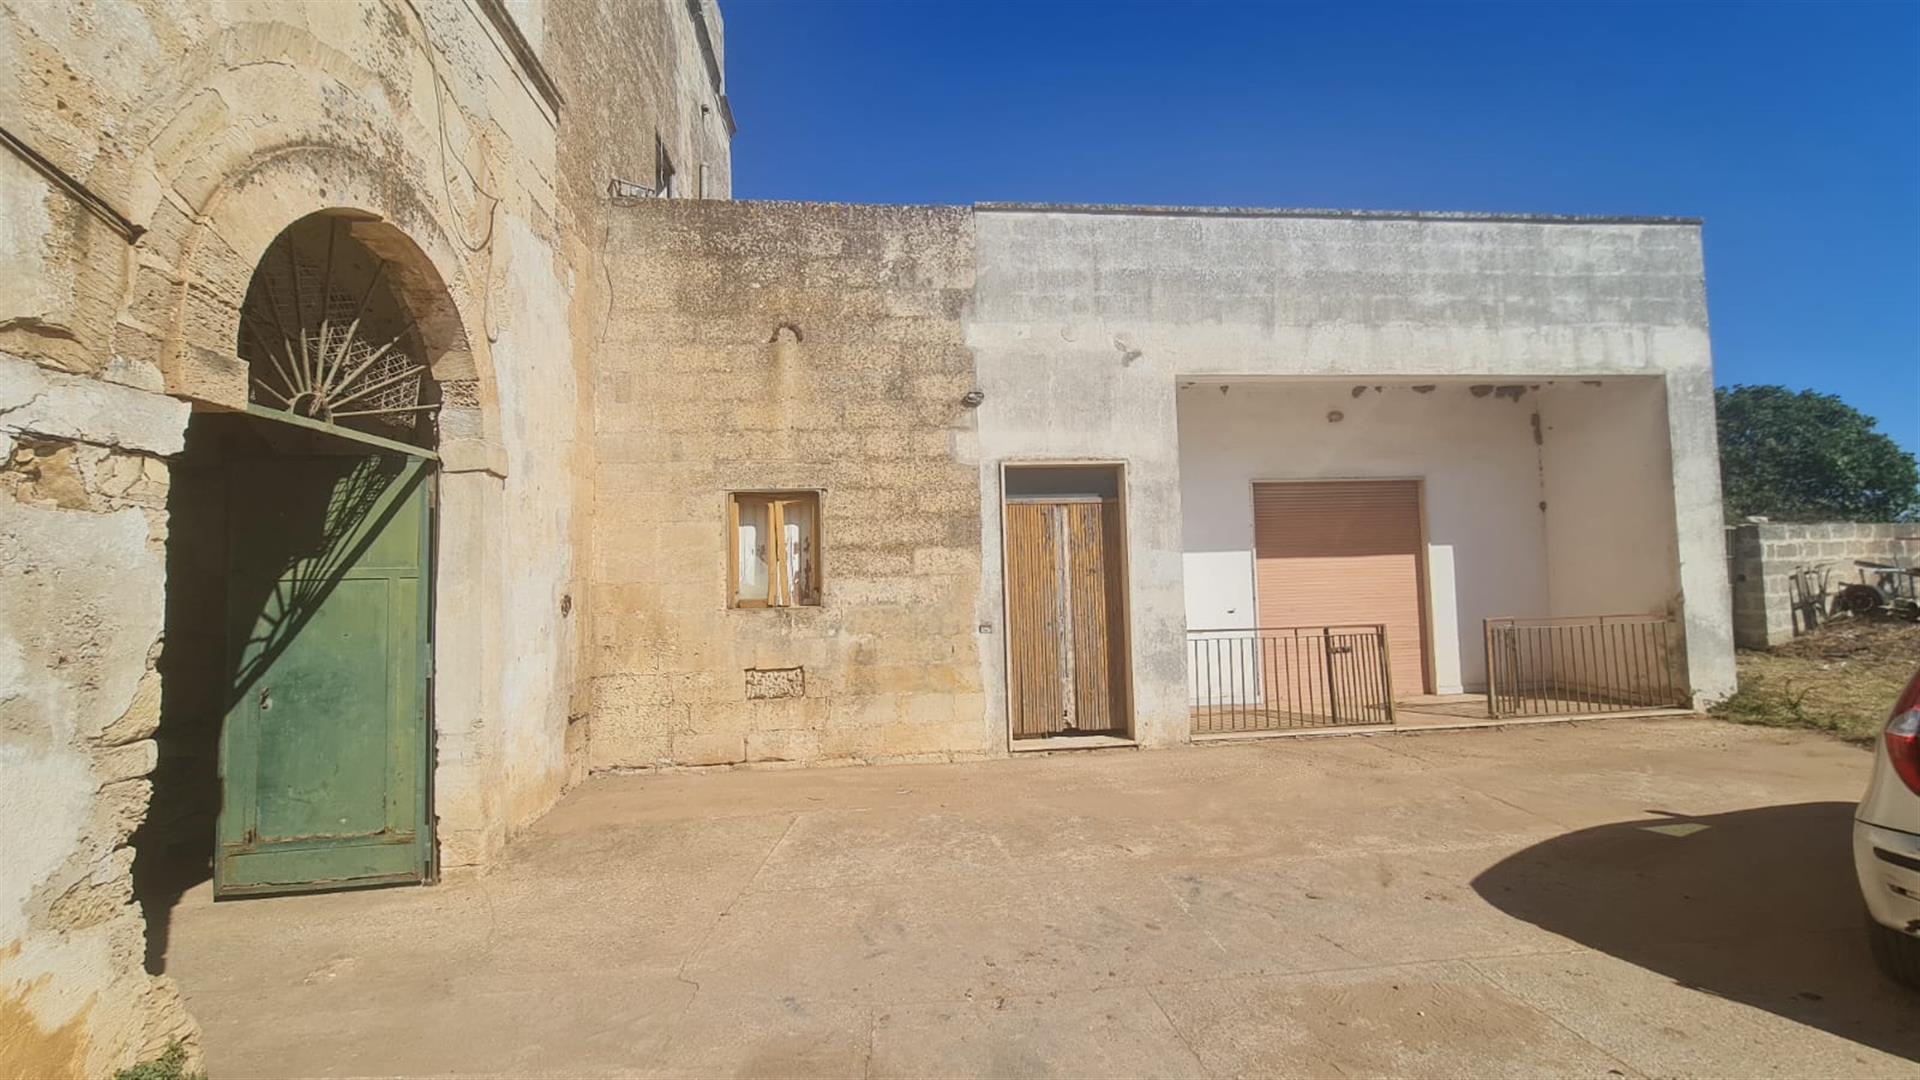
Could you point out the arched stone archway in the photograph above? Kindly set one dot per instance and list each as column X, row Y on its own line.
column 296, row 737
column 211, row 264
column 202, row 266
column 214, row 204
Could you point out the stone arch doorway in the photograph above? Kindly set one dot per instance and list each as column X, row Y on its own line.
column 295, row 737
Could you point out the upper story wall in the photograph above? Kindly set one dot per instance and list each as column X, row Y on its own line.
column 1221, row 292
column 642, row 79
column 446, row 116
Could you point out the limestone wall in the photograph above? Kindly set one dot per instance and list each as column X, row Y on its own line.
column 636, row 70
column 168, row 144
column 83, row 528
column 787, row 346
column 1762, row 558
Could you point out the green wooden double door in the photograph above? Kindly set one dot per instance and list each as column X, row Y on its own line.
column 324, row 749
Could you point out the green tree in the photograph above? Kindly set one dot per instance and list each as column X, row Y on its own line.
column 1810, row 457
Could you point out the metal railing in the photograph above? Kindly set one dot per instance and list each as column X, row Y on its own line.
column 1582, row 664
column 1276, row 678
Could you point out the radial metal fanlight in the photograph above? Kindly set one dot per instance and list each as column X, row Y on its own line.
column 330, row 351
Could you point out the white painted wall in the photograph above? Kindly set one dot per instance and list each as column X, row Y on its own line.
column 1610, row 505
column 1487, row 543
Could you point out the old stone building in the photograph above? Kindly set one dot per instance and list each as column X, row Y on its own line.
column 188, row 186
column 400, row 422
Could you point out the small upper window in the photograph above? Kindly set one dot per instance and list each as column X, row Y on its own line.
column 773, row 559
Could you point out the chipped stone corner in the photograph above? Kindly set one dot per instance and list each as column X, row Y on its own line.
column 82, row 561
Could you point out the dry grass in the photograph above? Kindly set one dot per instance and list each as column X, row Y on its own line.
column 1841, row 679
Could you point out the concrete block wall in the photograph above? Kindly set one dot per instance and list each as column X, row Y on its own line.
column 756, row 346
column 1762, row 557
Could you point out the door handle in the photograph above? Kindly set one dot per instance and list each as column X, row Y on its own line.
column 266, row 698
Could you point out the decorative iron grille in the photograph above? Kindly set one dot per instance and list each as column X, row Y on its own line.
column 326, row 340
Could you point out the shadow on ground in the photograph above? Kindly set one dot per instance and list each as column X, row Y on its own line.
column 1755, row 906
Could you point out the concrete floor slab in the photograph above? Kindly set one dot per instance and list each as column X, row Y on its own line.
column 850, row 848
column 1114, row 1032
column 1004, row 936
column 761, row 1035
column 1666, row 897
column 1438, row 1020
column 1663, row 1026
column 1367, row 909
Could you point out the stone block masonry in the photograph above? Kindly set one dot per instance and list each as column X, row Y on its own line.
column 1763, row 556
column 774, row 346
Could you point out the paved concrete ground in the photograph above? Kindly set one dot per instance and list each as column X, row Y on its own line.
column 1615, row 898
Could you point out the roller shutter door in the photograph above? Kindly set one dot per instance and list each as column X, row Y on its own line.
column 1345, row 551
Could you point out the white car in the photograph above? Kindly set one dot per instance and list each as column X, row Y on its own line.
column 1886, row 842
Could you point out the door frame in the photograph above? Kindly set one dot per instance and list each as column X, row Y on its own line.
column 429, row 836
column 1422, row 571
column 1123, row 623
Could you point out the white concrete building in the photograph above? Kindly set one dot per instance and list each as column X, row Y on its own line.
column 1544, row 382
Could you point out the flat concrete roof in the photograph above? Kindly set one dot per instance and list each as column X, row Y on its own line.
column 1303, row 212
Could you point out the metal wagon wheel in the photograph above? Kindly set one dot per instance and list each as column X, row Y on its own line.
column 1857, row 599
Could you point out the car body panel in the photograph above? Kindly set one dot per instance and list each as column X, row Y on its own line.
column 1889, row 803
column 1888, row 863
column 1886, row 841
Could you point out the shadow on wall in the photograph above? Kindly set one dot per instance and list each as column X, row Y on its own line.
column 173, row 848
column 1756, row 906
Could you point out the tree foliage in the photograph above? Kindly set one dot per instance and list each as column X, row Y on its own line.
column 1805, row 456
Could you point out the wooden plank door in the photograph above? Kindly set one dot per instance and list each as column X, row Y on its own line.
column 1067, row 672
column 1037, row 669
column 323, row 754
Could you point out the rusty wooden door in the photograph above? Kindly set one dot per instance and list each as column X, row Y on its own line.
column 1065, row 618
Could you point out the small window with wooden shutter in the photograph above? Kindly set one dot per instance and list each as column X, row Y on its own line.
column 773, row 557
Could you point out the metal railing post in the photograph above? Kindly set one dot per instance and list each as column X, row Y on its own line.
column 1386, row 671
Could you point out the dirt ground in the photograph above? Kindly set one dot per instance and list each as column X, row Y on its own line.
column 1841, row 679
column 1612, row 898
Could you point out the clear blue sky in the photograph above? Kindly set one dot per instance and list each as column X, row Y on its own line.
column 1794, row 130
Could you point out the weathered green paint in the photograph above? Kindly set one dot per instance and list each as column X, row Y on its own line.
column 324, row 751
